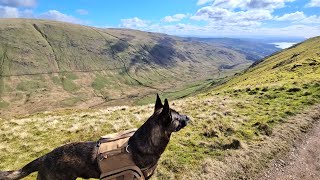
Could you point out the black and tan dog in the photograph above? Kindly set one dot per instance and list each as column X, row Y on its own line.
column 80, row 159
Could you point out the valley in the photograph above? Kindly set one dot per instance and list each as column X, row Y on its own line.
column 239, row 123
column 47, row 65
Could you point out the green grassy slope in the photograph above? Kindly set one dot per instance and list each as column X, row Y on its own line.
column 236, row 128
column 48, row 65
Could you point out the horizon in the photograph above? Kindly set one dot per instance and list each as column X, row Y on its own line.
column 195, row 18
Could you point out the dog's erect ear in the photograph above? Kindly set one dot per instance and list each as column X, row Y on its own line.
column 158, row 103
column 166, row 107
column 165, row 114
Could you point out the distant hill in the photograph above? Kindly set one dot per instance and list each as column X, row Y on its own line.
column 47, row 65
column 253, row 49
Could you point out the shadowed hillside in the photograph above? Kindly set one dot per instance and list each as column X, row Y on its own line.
column 48, row 65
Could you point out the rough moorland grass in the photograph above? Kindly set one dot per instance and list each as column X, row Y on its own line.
column 3, row 104
column 185, row 91
column 69, row 85
column 100, row 82
column 68, row 102
column 236, row 129
column 218, row 120
column 30, row 85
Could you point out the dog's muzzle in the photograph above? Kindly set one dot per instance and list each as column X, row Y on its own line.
column 183, row 122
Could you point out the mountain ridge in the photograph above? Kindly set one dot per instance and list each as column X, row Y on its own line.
column 49, row 64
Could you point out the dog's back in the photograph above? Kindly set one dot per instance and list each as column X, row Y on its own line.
column 63, row 163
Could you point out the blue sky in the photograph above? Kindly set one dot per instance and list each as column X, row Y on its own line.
column 207, row 18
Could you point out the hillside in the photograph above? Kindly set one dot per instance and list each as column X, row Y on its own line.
column 47, row 65
column 236, row 129
column 253, row 49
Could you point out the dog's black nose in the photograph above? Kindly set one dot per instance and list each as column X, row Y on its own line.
column 186, row 118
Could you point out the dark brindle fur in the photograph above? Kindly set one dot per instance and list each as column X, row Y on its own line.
column 80, row 159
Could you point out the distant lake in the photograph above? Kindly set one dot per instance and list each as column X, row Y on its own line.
column 283, row 45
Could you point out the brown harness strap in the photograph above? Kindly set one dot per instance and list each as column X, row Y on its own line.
column 147, row 172
column 125, row 173
column 115, row 161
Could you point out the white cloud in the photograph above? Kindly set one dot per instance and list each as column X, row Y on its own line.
column 299, row 18
column 252, row 28
column 311, row 20
column 12, row 12
column 250, row 4
column 211, row 13
column 174, row 18
column 58, row 16
column 238, row 15
column 18, row 3
column 202, row 2
column 252, row 15
column 82, row 11
column 9, row 12
column 266, row 4
column 313, row 3
column 134, row 23
column 291, row 16
column 229, row 4
column 228, row 17
column 249, row 29
column 294, row 30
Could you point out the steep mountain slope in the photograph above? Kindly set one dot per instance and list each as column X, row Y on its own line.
column 46, row 64
column 295, row 66
column 236, row 128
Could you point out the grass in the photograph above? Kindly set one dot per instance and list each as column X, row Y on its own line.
column 2, row 86
column 67, row 81
column 182, row 92
column 96, row 61
column 30, row 85
column 3, row 104
column 236, row 129
column 69, row 85
column 68, row 102
column 100, row 82
column 56, row 80
column 229, row 116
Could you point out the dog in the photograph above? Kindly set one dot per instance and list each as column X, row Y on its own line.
column 80, row 159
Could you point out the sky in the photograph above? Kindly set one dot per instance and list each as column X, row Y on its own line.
column 202, row 18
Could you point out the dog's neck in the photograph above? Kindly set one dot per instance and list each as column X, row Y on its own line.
column 148, row 143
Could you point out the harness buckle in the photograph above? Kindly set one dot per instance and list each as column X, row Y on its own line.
column 98, row 143
column 101, row 158
column 127, row 149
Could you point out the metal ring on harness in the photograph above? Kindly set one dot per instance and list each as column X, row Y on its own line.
column 127, row 150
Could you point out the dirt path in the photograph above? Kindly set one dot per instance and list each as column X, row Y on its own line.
column 302, row 162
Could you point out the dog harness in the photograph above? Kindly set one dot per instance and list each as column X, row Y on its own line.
column 115, row 160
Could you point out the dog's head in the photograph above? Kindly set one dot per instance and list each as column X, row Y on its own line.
column 169, row 119
column 151, row 139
